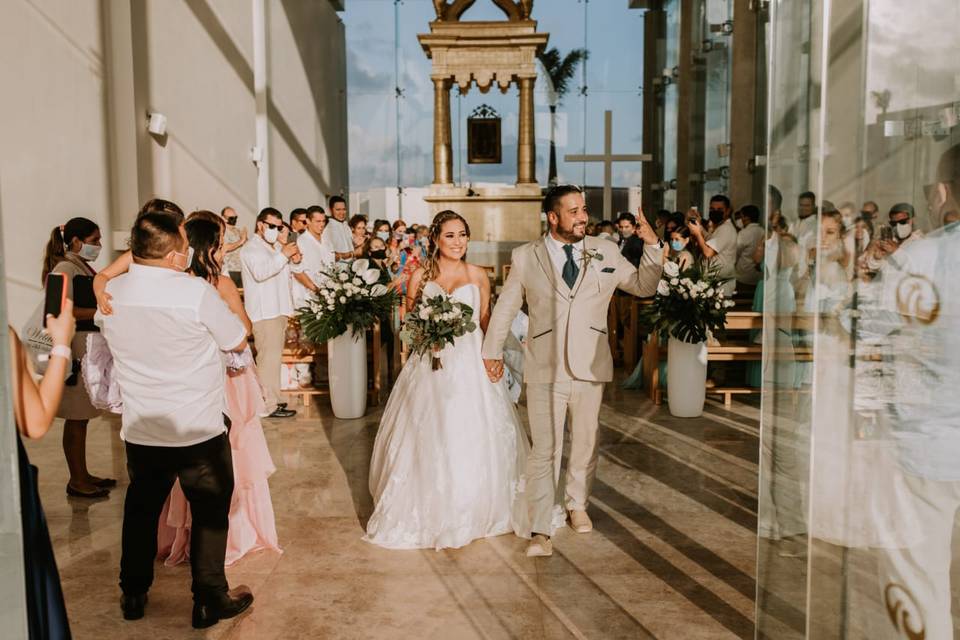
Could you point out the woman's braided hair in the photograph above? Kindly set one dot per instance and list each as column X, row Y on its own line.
column 431, row 267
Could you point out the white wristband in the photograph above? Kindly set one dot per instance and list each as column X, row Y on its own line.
column 61, row 351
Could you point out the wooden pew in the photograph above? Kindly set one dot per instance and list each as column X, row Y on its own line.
column 309, row 353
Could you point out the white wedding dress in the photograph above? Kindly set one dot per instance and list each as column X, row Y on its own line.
column 450, row 456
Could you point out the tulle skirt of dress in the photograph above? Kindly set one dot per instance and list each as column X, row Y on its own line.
column 450, row 456
column 252, row 524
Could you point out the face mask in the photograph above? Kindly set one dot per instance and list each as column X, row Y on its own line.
column 379, row 254
column 400, row 234
column 89, row 252
column 383, row 235
column 677, row 245
column 738, row 223
column 716, row 217
column 189, row 256
column 232, row 221
column 903, row 230
column 271, row 235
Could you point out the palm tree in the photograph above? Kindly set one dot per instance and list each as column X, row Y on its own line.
column 559, row 73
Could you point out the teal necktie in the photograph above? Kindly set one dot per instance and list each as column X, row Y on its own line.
column 570, row 268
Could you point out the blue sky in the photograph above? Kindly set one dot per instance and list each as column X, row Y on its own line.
column 383, row 52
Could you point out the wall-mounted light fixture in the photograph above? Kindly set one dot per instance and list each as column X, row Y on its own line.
column 156, row 123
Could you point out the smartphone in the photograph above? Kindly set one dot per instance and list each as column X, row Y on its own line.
column 886, row 233
column 56, row 295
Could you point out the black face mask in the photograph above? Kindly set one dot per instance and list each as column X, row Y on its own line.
column 379, row 254
column 716, row 216
column 232, row 221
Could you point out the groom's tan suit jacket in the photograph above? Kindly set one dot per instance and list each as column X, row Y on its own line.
column 567, row 335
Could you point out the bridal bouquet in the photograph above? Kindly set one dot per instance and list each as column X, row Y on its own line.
column 349, row 298
column 689, row 304
column 437, row 320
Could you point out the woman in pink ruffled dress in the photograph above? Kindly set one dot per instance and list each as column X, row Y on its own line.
column 252, row 524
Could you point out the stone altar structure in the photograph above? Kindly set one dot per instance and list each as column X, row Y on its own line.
column 488, row 54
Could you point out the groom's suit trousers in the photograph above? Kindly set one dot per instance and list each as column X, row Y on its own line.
column 548, row 404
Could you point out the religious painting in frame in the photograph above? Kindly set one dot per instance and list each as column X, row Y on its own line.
column 483, row 136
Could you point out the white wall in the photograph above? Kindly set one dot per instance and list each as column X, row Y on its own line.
column 79, row 75
column 53, row 163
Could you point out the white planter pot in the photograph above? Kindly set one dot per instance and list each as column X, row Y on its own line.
column 348, row 375
column 686, row 378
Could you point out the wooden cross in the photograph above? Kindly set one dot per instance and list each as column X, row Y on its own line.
column 608, row 158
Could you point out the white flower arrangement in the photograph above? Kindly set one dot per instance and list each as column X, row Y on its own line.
column 348, row 298
column 688, row 304
column 436, row 321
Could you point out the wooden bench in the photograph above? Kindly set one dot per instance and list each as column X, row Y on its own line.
column 309, row 353
column 728, row 351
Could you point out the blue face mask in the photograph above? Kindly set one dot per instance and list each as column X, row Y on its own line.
column 384, row 235
column 676, row 245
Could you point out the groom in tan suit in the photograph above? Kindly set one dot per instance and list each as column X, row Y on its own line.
column 567, row 280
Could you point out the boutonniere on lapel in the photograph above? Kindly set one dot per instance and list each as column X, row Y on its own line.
column 593, row 258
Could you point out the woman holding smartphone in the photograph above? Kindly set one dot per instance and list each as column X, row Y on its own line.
column 71, row 249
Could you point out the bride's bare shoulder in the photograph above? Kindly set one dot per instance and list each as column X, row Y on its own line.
column 478, row 275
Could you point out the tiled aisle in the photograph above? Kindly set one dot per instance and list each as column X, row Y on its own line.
column 672, row 555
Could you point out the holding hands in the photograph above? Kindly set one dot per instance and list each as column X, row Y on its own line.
column 494, row 369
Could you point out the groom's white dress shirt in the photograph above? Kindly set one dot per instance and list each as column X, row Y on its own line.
column 559, row 257
column 166, row 333
column 266, row 280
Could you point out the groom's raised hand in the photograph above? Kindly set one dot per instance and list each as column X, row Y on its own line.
column 494, row 369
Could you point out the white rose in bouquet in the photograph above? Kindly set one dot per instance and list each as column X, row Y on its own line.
column 370, row 276
column 425, row 313
column 343, row 277
column 663, row 288
column 671, row 269
column 674, row 282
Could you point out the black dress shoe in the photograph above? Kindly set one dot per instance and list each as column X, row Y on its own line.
column 281, row 405
column 282, row 413
column 226, row 606
column 133, row 605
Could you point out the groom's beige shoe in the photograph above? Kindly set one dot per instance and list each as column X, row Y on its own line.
column 580, row 521
column 540, row 547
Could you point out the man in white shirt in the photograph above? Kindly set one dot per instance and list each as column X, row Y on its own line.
column 306, row 275
column 265, row 269
column 166, row 333
column 721, row 247
column 750, row 237
column 338, row 237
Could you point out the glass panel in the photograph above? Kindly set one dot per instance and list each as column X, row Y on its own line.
column 860, row 482
column 12, row 605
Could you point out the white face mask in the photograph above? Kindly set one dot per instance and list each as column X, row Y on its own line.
column 189, row 255
column 271, row 235
column 737, row 223
column 89, row 252
column 904, row 230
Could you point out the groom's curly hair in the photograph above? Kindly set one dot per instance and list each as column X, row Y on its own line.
column 431, row 268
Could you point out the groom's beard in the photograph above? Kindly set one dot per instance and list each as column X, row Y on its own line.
column 572, row 234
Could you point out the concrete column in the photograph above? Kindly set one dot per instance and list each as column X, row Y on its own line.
column 685, row 105
column 442, row 145
column 261, row 89
column 743, row 116
column 654, row 27
column 526, row 143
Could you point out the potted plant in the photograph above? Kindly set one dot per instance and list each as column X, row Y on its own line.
column 688, row 306
column 348, row 301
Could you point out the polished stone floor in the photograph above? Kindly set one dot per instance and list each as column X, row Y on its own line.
column 673, row 554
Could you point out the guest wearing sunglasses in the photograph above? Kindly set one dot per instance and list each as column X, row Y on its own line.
column 265, row 269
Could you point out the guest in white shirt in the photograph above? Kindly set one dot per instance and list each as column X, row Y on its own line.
column 720, row 249
column 338, row 237
column 316, row 258
column 750, row 237
column 166, row 333
column 265, row 268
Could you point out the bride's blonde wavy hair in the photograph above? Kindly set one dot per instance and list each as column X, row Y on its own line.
column 431, row 267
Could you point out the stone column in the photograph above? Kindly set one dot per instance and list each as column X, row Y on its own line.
column 526, row 144
column 442, row 147
column 744, row 186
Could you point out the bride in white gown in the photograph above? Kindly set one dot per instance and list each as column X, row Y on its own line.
column 450, row 455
